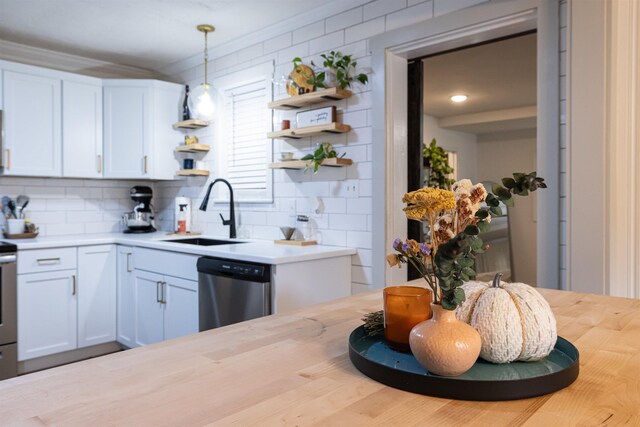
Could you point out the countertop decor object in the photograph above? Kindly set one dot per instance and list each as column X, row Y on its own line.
column 29, row 235
column 443, row 344
column 296, row 242
column 513, row 319
column 483, row 382
column 454, row 219
column 293, row 368
column 404, row 308
column 300, row 79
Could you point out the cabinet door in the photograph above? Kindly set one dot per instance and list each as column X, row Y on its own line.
column 47, row 310
column 32, row 122
column 181, row 308
column 81, row 130
column 149, row 309
column 126, row 298
column 127, row 132
column 96, row 295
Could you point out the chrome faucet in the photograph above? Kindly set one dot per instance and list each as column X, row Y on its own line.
column 231, row 221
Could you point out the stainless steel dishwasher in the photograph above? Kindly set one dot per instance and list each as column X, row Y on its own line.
column 232, row 291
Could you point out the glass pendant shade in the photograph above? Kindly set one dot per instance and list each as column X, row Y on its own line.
column 201, row 103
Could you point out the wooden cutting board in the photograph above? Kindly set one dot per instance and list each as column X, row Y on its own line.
column 296, row 242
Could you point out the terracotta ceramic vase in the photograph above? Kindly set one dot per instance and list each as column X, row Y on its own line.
column 444, row 345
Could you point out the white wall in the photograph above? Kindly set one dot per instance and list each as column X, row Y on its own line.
column 347, row 218
column 460, row 142
column 500, row 155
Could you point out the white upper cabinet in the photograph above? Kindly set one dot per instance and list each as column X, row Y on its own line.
column 139, row 138
column 32, row 124
column 82, row 129
column 127, row 132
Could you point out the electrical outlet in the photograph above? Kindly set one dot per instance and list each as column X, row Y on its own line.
column 347, row 188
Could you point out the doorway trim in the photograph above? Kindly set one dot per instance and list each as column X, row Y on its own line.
column 390, row 53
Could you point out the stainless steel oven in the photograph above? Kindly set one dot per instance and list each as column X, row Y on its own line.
column 8, row 311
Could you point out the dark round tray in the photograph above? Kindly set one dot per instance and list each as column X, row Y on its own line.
column 484, row 381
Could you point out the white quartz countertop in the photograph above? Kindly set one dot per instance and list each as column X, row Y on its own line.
column 263, row 251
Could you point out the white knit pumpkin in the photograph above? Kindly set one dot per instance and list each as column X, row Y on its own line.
column 514, row 321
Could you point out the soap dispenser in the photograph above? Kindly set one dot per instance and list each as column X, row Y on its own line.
column 182, row 219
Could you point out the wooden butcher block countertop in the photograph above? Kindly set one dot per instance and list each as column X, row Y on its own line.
column 293, row 369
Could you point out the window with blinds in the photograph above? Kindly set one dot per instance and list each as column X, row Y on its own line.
column 245, row 150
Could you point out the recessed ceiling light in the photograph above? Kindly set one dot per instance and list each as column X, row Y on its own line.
column 459, row 98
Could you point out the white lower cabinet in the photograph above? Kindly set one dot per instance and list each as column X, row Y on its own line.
column 96, row 295
column 67, row 308
column 165, row 307
column 153, row 304
column 47, row 313
column 126, row 302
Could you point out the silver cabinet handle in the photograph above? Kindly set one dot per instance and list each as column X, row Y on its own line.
column 99, row 163
column 164, row 292
column 145, row 165
column 74, row 289
column 159, row 292
column 8, row 158
column 48, row 261
column 129, row 269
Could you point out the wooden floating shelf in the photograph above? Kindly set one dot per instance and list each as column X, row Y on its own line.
column 301, row 164
column 193, row 148
column 191, row 124
column 310, row 131
column 192, row 172
column 300, row 101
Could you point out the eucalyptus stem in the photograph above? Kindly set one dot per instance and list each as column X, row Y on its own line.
column 428, row 278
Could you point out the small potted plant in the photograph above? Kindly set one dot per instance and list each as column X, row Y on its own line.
column 339, row 71
column 324, row 151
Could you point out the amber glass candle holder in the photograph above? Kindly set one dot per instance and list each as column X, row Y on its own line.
column 404, row 307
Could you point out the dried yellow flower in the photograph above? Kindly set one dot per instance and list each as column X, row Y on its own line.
column 427, row 203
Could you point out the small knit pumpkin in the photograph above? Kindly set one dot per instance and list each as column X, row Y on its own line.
column 514, row 321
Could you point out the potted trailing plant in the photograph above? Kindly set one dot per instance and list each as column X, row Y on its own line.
column 437, row 166
column 324, row 151
column 339, row 71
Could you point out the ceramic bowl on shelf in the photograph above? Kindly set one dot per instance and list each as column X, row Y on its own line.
column 286, row 156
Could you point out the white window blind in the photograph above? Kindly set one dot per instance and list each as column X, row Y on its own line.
column 245, row 150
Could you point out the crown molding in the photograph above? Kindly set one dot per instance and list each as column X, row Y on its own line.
column 30, row 55
column 263, row 34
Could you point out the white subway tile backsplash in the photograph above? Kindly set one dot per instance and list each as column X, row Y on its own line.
column 359, row 239
column 326, row 43
column 411, row 15
column 361, row 205
column 65, row 204
column 442, row 7
column 361, row 274
column 364, row 30
column 347, row 222
column 382, row 7
column 308, row 32
column 251, row 52
column 277, row 43
column 332, row 237
column 343, row 20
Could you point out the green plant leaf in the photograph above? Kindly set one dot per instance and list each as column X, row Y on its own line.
column 465, row 262
column 496, row 210
column 483, row 226
column 508, row 182
column 471, row 230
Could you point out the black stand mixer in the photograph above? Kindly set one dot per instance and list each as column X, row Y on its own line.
column 141, row 220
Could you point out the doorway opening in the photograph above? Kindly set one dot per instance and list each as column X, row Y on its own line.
column 487, row 136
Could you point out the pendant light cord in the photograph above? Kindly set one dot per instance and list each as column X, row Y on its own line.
column 206, row 56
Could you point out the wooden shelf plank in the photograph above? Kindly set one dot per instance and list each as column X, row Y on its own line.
column 301, row 164
column 192, row 172
column 193, row 148
column 300, row 101
column 310, row 131
column 191, row 124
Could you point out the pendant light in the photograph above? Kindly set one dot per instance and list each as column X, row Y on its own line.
column 201, row 102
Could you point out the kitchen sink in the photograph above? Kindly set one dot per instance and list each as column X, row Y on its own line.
column 201, row 241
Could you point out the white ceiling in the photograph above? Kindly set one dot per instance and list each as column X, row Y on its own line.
column 496, row 77
column 142, row 33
